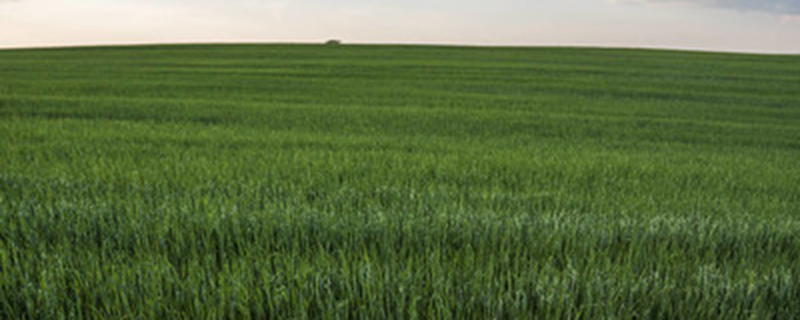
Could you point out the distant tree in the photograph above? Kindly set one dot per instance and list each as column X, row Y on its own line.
column 333, row 42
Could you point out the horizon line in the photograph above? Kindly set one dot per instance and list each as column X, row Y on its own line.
column 122, row 44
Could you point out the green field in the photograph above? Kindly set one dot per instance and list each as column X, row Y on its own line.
column 380, row 182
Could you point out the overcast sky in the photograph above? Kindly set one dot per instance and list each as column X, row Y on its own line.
column 771, row 26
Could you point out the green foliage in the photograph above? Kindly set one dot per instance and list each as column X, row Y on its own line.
column 378, row 182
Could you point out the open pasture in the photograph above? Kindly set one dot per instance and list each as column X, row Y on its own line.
column 308, row 181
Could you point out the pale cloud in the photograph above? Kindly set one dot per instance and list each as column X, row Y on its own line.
column 781, row 7
column 790, row 18
column 773, row 26
column 356, row 12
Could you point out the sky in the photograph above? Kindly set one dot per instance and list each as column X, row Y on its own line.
column 763, row 26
